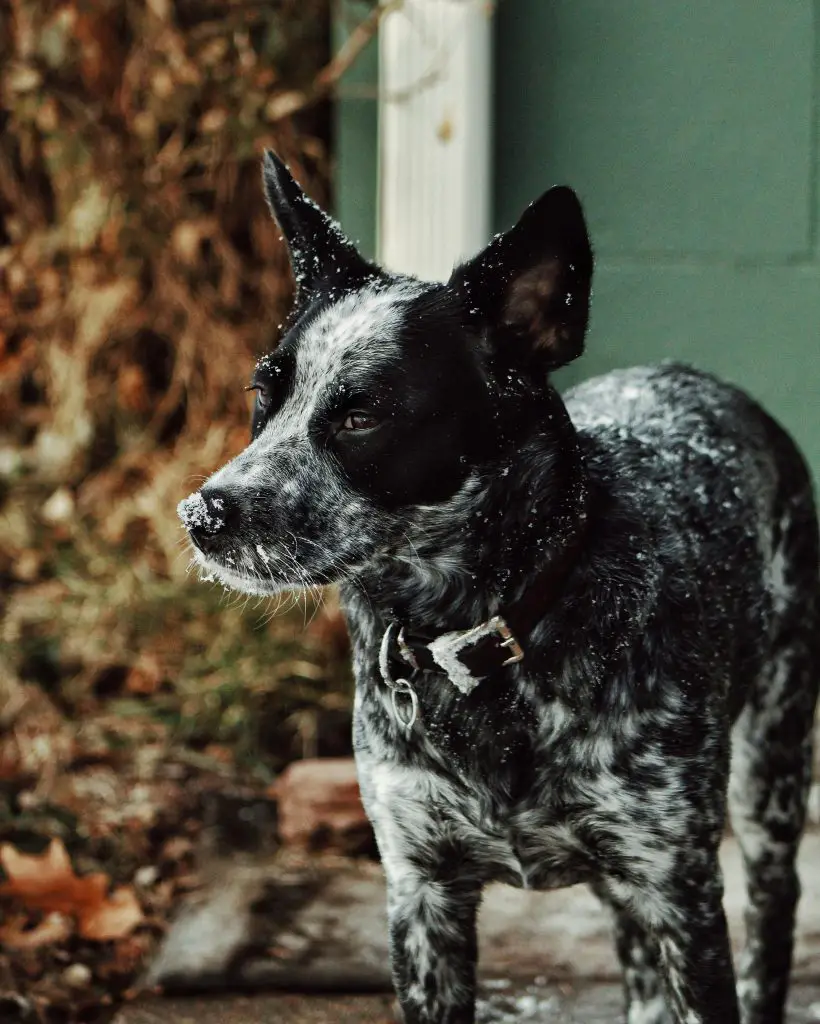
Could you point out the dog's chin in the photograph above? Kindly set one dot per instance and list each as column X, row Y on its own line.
column 212, row 571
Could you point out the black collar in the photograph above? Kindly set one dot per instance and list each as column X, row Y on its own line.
column 468, row 656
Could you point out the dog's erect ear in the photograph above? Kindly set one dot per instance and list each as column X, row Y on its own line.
column 319, row 251
column 535, row 278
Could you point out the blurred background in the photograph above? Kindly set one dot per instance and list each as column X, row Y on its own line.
column 142, row 713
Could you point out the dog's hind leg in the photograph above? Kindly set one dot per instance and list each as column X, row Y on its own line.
column 771, row 774
column 767, row 799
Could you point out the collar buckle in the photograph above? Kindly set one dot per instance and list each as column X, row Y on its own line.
column 445, row 650
column 508, row 640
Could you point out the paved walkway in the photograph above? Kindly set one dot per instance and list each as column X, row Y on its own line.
column 563, row 936
column 584, row 1004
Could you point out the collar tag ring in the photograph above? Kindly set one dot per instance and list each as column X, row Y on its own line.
column 405, row 703
column 403, row 697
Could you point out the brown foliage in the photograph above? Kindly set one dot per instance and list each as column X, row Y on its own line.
column 141, row 274
column 140, row 278
column 47, row 882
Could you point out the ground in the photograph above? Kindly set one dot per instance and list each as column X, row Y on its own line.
column 563, row 934
column 589, row 1003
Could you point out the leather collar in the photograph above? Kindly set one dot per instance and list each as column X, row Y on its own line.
column 468, row 656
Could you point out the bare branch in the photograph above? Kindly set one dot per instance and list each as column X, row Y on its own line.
column 288, row 103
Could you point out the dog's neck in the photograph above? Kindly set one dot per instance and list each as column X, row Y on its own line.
column 477, row 554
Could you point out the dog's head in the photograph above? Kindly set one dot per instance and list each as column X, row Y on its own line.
column 386, row 394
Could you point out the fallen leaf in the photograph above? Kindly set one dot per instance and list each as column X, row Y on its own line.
column 47, row 882
column 143, row 679
column 51, row 930
column 132, row 388
column 113, row 918
column 175, row 848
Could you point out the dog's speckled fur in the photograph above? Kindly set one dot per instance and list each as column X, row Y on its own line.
column 686, row 633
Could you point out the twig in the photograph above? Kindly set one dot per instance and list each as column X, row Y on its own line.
column 289, row 103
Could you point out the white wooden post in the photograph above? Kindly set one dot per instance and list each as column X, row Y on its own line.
column 434, row 135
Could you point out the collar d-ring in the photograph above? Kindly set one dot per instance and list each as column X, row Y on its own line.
column 406, row 713
column 403, row 697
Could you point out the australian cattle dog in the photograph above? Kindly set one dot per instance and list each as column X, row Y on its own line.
column 569, row 613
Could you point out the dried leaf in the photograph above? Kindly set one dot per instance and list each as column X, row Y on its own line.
column 144, row 678
column 101, row 55
column 113, row 918
column 23, row 78
column 132, row 388
column 52, row 929
column 47, row 882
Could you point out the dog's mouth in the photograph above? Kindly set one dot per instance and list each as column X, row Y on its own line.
column 259, row 571
column 222, row 555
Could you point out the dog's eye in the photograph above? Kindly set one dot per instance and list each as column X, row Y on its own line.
column 358, row 420
column 263, row 394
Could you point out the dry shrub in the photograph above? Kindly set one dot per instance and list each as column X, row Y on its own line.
column 141, row 274
column 140, row 278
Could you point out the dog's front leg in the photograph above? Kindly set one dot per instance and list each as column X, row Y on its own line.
column 433, row 944
column 697, row 966
column 695, row 959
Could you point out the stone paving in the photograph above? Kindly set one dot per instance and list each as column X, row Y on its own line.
column 563, row 935
column 588, row 1003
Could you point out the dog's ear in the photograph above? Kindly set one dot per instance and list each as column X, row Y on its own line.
column 535, row 278
column 319, row 251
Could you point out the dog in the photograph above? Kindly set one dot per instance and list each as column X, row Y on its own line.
column 569, row 615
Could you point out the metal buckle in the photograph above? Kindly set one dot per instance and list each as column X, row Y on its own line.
column 445, row 650
column 508, row 640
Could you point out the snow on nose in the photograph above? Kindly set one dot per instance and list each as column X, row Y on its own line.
column 201, row 514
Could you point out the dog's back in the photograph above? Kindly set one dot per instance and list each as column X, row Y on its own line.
column 727, row 498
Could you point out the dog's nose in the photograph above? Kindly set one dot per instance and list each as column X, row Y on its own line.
column 207, row 513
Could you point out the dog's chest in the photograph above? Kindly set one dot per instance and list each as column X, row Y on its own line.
column 533, row 848
column 526, row 821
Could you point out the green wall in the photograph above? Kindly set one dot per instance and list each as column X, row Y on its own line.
column 356, row 128
column 691, row 133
